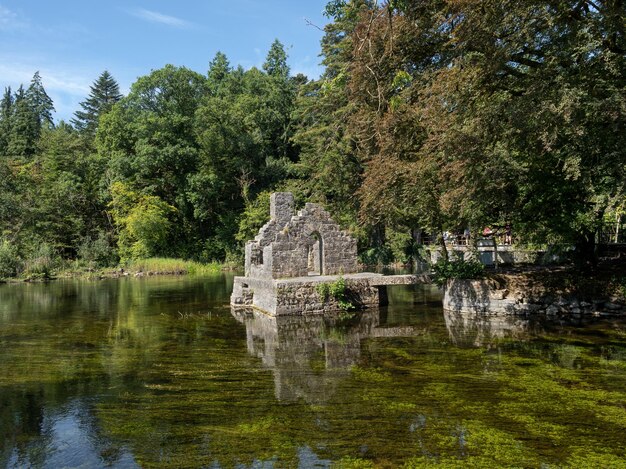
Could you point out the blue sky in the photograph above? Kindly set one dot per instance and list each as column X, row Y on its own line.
column 71, row 42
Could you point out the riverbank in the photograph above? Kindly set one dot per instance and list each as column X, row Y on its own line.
column 136, row 268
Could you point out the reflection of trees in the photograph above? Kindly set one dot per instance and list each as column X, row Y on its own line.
column 144, row 375
column 21, row 419
column 70, row 340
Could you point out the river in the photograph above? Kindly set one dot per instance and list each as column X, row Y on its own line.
column 158, row 372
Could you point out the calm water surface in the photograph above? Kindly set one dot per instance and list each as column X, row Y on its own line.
column 158, row 372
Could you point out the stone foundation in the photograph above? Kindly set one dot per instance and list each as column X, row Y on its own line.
column 300, row 296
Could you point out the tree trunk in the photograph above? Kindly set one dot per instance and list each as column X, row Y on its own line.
column 586, row 255
column 495, row 252
column 442, row 243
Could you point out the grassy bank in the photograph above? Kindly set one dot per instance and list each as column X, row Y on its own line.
column 136, row 268
column 168, row 266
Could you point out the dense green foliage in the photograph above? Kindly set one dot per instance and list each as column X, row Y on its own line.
column 429, row 117
column 459, row 268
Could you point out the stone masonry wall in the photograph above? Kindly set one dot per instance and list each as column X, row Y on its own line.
column 288, row 254
column 280, row 297
column 303, row 297
column 483, row 296
column 283, row 246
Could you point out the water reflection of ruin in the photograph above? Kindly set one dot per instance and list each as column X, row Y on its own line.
column 476, row 330
column 310, row 355
column 484, row 330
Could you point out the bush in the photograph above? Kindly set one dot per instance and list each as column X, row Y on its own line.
column 9, row 259
column 97, row 252
column 164, row 265
column 336, row 290
column 446, row 270
column 41, row 262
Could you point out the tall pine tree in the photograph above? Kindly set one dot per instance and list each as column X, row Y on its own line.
column 6, row 109
column 105, row 92
column 40, row 103
column 276, row 61
column 24, row 131
column 219, row 68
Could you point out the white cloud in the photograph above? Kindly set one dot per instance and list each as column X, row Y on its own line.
column 9, row 20
column 66, row 85
column 66, row 82
column 156, row 17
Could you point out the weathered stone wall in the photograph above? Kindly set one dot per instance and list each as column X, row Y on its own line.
column 484, row 296
column 257, row 292
column 285, row 244
column 281, row 207
column 310, row 230
column 281, row 211
column 301, row 297
column 290, row 247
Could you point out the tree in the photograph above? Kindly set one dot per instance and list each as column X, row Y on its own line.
column 548, row 80
column 24, row 131
column 143, row 222
column 219, row 69
column 63, row 212
column 515, row 113
column 41, row 104
column 275, row 64
column 328, row 169
column 149, row 141
column 241, row 133
column 32, row 111
column 104, row 94
column 11, row 204
column 6, row 114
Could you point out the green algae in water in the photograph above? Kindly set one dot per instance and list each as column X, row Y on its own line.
column 158, row 373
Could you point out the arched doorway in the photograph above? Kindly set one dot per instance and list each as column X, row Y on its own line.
column 316, row 255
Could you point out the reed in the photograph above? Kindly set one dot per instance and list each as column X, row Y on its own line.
column 164, row 265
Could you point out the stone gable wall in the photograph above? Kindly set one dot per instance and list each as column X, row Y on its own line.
column 283, row 247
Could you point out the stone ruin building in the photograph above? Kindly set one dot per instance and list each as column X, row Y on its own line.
column 295, row 252
column 296, row 245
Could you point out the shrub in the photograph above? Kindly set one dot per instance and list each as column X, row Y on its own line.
column 41, row 262
column 336, row 290
column 380, row 255
column 98, row 252
column 400, row 245
column 9, row 259
column 143, row 221
column 446, row 270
